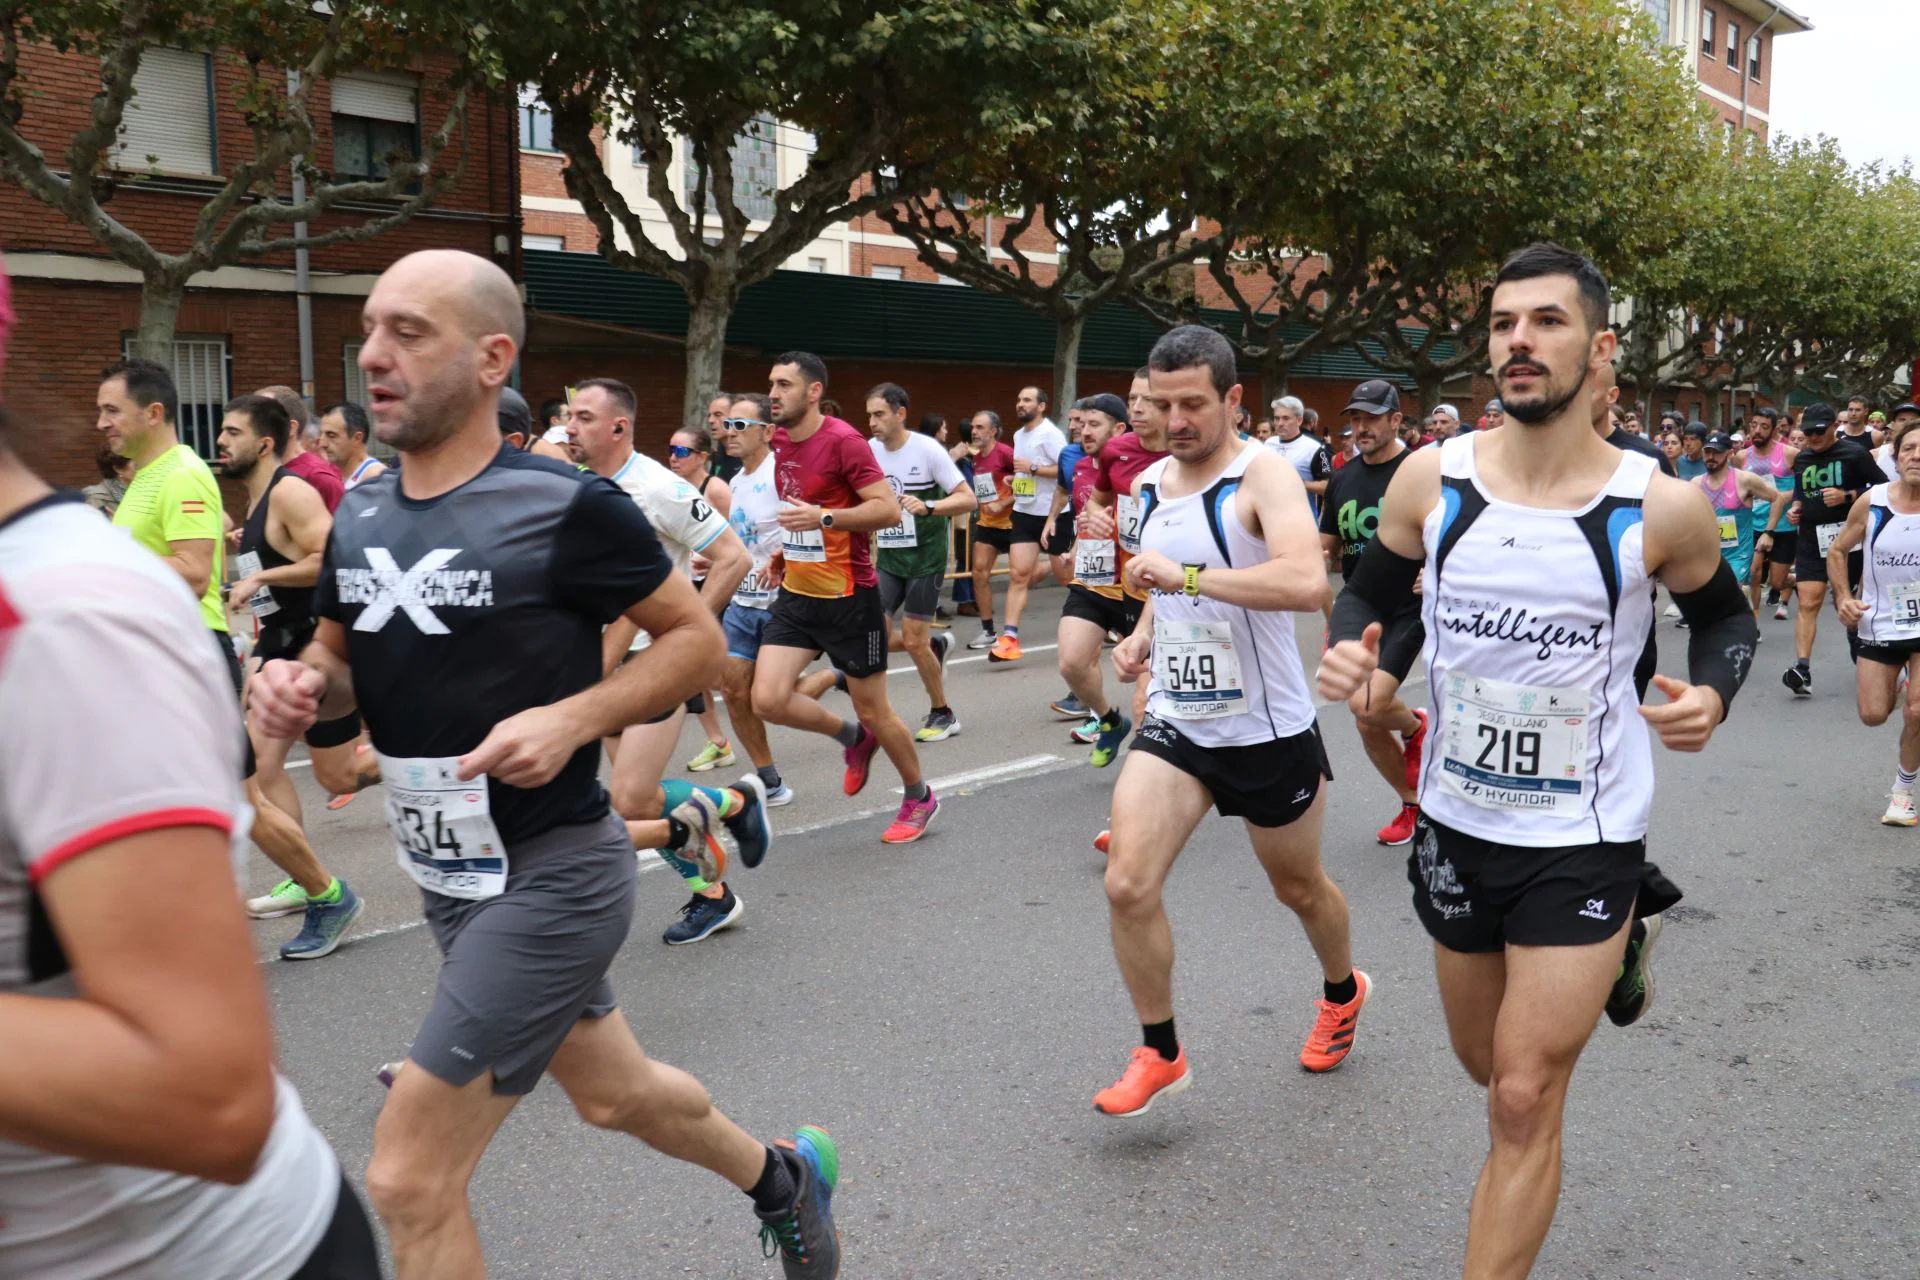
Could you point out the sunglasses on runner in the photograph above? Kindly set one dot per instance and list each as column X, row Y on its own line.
column 741, row 424
column 679, row 451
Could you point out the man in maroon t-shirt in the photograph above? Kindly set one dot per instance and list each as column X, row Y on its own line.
column 303, row 456
column 833, row 496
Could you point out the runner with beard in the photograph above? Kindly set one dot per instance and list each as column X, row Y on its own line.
column 1538, row 544
column 833, row 498
column 1096, row 602
column 1036, row 473
column 1770, row 457
column 1229, row 554
column 1885, row 524
column 1829, row 475
column 1734, row 493
column 1112, row 511
column 281, row 545
column 462, row 603
column 1392, row 732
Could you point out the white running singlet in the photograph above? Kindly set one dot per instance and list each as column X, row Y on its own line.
column 756, row 518
column 1536, row 619
column 1890, row 574
column 1225, row 676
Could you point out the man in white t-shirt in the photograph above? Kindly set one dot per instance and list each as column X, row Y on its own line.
column 1036, row 472
column 601, row 434
column 151, row 1135
column 910, row 559
column 1306, row 452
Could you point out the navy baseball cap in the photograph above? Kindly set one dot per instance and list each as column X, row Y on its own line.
column 514, row 415
column 1375, row 395
column 1719, row 441
column 1108, row 403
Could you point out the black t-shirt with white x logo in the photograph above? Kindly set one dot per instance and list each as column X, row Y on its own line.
column 467, row 608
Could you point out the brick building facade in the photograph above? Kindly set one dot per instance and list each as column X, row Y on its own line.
column 238, row 328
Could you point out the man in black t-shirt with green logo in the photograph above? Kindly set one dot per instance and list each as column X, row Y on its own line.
column 1829, row 475
column 1348, row 517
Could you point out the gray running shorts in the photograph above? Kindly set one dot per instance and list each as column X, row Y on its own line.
column 522, row 967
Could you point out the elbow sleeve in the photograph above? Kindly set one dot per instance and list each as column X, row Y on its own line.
column 1721, row 634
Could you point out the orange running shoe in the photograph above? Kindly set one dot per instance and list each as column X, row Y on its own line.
column 1005, row 649
column 1101, row 842
column 1332, row 1036
column 340, row 801
column 1400, row 830
column 1148, row 1077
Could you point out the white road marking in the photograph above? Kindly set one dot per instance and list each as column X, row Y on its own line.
column 646, row 860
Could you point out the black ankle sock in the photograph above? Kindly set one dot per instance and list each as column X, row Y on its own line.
column 725, row 899
column 849, row 735
column 777, row 1186
column 941, row 711
column 918, row 791
column 678, row 833
column 771, row 776
column 1160, row 1038
column 1112, row 718
column 1638, row 931
column 1342, row 992
column 1803, row 665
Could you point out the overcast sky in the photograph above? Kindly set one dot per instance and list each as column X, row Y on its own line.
column 1845, row 77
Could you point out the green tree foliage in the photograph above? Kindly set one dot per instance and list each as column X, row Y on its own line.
column 269, row 185
column 890, row 91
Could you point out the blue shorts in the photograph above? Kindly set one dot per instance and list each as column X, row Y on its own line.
column 744, row 627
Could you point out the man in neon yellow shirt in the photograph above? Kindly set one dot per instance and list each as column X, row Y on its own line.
column 172, row 508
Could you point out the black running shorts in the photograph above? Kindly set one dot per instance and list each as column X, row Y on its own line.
column 1105, row 612
column 1473, row 895
column 1896, row 654
column 987, row 536
column 850, row 630
column 1270, row 784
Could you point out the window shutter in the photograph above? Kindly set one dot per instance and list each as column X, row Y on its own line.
column 167, row 118
column 377, row 96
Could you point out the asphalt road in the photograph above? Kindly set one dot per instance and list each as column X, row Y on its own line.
column 948, row 1009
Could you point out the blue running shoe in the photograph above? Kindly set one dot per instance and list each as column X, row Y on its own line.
column 325, row 925
column 703, row 917
column 1113, row 731
column 751, row 833
column 804, row 1235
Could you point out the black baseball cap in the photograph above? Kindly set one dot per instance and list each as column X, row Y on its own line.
column 1697, row 428
column 1375, row 395
column 1719, row 441
column 1817, row 417
column 514, row 415
column 1907, row 407
column 1108, row 403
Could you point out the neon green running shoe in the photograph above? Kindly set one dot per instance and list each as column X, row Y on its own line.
column 712, row 757
column 284, row 899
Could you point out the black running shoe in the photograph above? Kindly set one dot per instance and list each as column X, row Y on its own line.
column 1632, row 993
column 1801, row 682
column 804, row 1236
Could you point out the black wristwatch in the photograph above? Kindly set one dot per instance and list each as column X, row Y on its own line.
column 826, row 519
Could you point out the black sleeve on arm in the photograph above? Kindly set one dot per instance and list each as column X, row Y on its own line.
column 1380, row 590
column 606, row 556
column 1722, row 634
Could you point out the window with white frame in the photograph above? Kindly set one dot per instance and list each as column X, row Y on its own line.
column 756, row 169
column 200, row 368
column 536, row 122
column 376, row 119
column 888, row 273
column 168, row 126
column 1753, row 57
column 1706, row 32
column 1733, row 45
column 817, row 265
column 554, row 244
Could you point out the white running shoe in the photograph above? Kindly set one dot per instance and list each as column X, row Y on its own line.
column 1900, row 812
